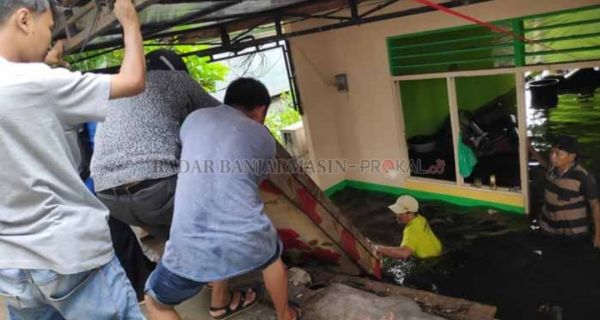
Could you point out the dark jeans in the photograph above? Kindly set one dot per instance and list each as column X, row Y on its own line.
column 150, row 208
column 127, row 249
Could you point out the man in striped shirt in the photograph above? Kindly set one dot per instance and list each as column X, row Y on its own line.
column 569, row 192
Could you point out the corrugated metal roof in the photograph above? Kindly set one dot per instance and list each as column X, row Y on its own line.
column 91, row 24
column 84, row 20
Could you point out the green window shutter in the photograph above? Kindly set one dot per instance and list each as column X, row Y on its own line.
column 563, row 37
column 466, row 48
column 568, row 36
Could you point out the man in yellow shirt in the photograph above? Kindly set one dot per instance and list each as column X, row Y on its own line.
column 418, row 239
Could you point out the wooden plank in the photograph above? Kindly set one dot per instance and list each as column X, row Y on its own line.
column 303, row 192
column 106, row 21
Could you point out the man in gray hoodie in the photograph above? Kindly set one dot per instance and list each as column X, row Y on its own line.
column 137, row 148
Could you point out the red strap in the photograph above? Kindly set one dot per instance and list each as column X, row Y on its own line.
column 475, row 20
column 487, row 25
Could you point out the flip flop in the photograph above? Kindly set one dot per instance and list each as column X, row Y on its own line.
column 229, row 312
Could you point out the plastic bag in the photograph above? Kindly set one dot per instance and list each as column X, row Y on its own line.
column 466, row 158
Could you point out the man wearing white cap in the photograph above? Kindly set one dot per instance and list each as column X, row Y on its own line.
column 417, row 239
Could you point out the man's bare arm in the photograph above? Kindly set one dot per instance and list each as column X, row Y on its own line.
column 543, row 162
column 394, row 252
column 130, row 80
column 54, row 57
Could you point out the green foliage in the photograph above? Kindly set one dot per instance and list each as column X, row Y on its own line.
column 278, row 119
column 97, row 60
column 200, row 69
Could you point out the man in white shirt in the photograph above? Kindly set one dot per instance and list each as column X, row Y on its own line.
column 56, row 258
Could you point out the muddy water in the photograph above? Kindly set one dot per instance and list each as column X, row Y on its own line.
column 498, row 258
column 490, row 257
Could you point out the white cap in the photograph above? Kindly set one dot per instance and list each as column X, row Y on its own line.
column 405, row 204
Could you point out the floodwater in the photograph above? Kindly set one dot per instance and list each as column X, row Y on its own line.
column 573, row 116
column 498, row 258
column 489, row 257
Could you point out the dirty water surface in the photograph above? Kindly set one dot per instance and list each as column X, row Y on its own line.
column 489, row 257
